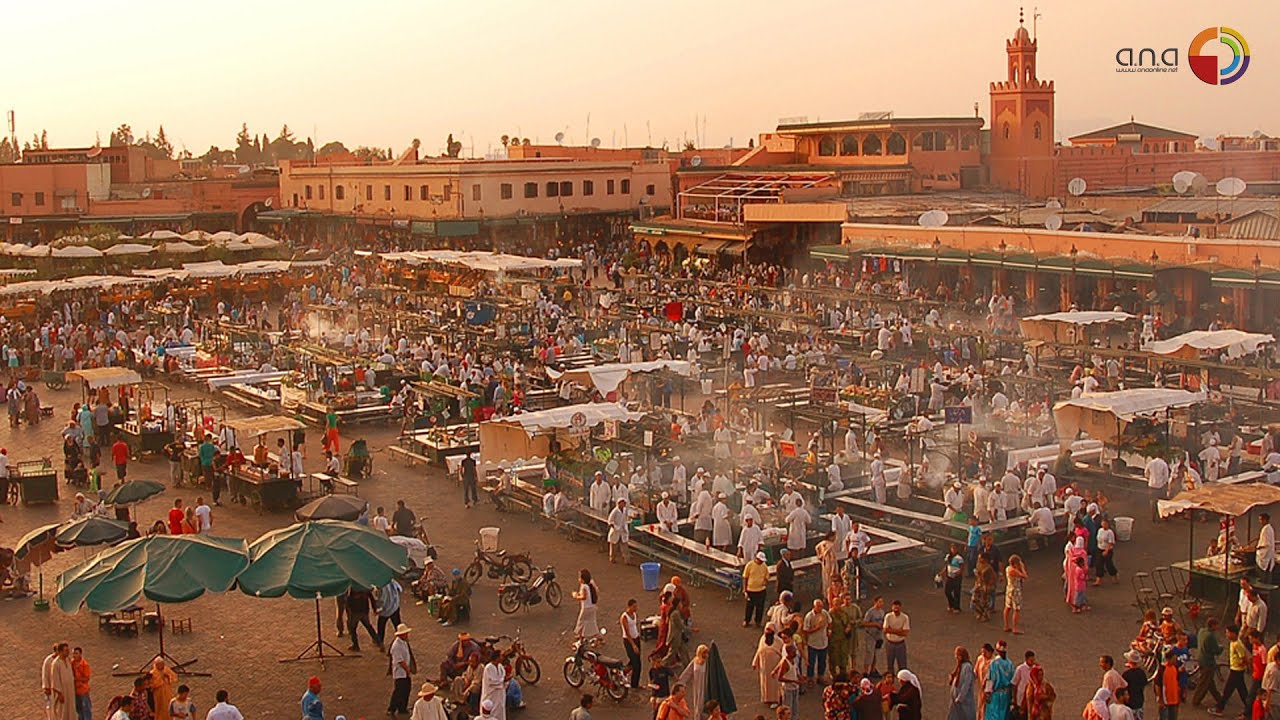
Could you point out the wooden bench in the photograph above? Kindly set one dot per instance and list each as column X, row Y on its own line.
column 346, row 486
column 408, row 455
column 122, row 626
column 180, row 626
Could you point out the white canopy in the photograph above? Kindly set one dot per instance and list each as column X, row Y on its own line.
column 237, row 246
column 128, row 249
column 106, row 377
column 258, row 240
column 1104, row 415
column 77, row 251
column 223, row 236
column 259, row 267
column 584, row 415
column 35, row 251
column 210, row 269
column 1236, row 343
column 181, row 247
column 160, row 235
column 195, row 236
column 607, row 378
column 27, row 287
column 1081, row 317
column 476, row 260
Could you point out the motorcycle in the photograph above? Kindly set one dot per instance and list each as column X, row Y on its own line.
column 499, row 566
column 513, row 596
column 606, row 672
column 524, row 665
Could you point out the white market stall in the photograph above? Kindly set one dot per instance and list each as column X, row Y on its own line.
column 1074, row 327
column 1231, row 344
column 528, row 435
column 1105, row 416
column 607, row 378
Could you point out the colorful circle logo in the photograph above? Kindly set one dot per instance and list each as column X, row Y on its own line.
column 1206, row 66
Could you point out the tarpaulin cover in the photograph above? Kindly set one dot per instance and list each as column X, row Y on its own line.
column 606, row 378
column 1236, row 343
column 1105, row 415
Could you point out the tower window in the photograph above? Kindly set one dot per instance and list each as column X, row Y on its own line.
column 827, row 146
column 897, row 145
column 871, row 145
column 849, row 145
column 1036, row 131
column 1006, row 131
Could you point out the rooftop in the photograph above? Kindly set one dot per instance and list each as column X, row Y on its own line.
column 1134, row 128
column 1211, row 205
column 976, row 122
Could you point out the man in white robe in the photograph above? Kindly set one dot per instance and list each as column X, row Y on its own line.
column 599, row 497
column 721, row 530
column 749, row 539
column 667, row 512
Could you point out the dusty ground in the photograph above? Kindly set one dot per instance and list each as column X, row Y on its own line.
column 239, row 639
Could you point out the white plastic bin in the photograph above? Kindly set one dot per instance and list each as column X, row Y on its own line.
column 489, row 538
column 1124, row 529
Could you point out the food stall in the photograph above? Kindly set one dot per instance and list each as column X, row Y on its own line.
column 1073, row 327
column 1126, row 420
column 144, row 431
column 268, row 487
column 1215, row 575
column 438, row 443
column 37, row 480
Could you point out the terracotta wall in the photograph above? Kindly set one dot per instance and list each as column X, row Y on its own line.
column 1118, row 167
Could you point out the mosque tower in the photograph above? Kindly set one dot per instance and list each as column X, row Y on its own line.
column 1021, row 157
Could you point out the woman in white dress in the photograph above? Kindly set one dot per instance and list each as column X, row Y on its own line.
column 694, row 679
column 587, row 595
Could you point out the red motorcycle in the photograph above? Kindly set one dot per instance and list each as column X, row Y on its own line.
column 604, row 671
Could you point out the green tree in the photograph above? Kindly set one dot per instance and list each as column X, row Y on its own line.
column 162, row 143
column 285, row 133
column 9, row 153
column 453, row 148
column 44, row 139
column 331, row 148
column 123, row 135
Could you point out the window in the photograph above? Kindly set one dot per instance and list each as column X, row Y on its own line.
column 306, row 192
column 475, row 193
column 897, row 145
column 321, row 192
column 424, row 192
column 368, row 193
column 408, row 192
column 386, row 192
column 588, row 187
column 553, row 189
column 295, row 199
column 849, row 145
column 566, row 188
column 531, row 190
column 871, row 145
column 650, row 189
column 608, row 187
column 968, row 142
column 39, row 198
column 448, row 192
column 1036, row 131
column 626, row 186
column 504, row 191
column 1006, row 131
column 827, row 146
column 339, row 192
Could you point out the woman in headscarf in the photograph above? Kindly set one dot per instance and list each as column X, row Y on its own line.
column 163, row 682
column 907, row 698
column 866, row 704
column 1097, row 708
column 768, row 653
column 963, row 705
column 1038, row 703
column 1075, row 551
column 694, row 679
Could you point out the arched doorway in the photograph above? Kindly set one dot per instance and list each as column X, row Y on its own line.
column 249, row 217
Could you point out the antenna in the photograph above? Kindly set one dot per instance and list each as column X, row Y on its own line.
column 587, row 132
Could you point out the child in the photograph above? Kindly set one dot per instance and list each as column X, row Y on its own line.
column 181, row 707
column 1081, row 579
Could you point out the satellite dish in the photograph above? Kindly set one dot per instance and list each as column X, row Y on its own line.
column 269, row 202
column 1053, row 204
column 1077, row 186
column 146, row 192
column 696, row 160
column 1053, row 222
column 595, row 142
column 1182, row 180
column 933, row 218
column 1199, row 184
column 93, row 152
column 1231, row 186
column 559, row 137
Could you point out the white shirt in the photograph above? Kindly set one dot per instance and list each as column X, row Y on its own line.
column 857, row 541
column 1120, row 711
column 619, row 530
column 399, row 654
column 205, row 513
column 380, row 522
column 599, row 498
column 749, row 541
column 1266, row 553
column 1042, row 518
column 841, row 525
column 1157, row 473
column 668, row 515
column 1106, row 539
column 798, row 528
column 224, row 711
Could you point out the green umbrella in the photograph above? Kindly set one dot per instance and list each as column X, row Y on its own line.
column 320, row 558
column 91, row 530
column 134, row 491
column 162, row 568
column 332, row 507
column 718, row 687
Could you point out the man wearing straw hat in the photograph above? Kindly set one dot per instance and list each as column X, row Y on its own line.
column 428, row 706
column 401, row 666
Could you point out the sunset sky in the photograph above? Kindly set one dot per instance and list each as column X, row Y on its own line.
column 382, row 72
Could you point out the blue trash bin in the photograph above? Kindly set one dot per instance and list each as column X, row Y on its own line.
column 649, row 573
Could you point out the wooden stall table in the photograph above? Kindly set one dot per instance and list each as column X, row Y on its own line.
column 264, row 490
column 1208, row 579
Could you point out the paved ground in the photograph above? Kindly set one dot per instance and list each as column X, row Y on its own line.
column 239, row 639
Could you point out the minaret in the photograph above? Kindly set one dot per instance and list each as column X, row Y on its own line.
column 1021, row 156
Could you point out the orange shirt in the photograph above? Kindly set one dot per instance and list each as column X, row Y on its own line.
column 81, row 669
column 1170, row 692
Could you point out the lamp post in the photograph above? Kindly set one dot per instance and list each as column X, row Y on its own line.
column 1074, row 253
column 1257, row 290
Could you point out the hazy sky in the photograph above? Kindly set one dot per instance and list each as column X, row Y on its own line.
column 381, row 72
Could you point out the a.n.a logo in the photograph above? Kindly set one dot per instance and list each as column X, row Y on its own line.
column 1147, row 60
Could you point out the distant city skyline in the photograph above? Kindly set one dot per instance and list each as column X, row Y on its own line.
column 389, row 71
